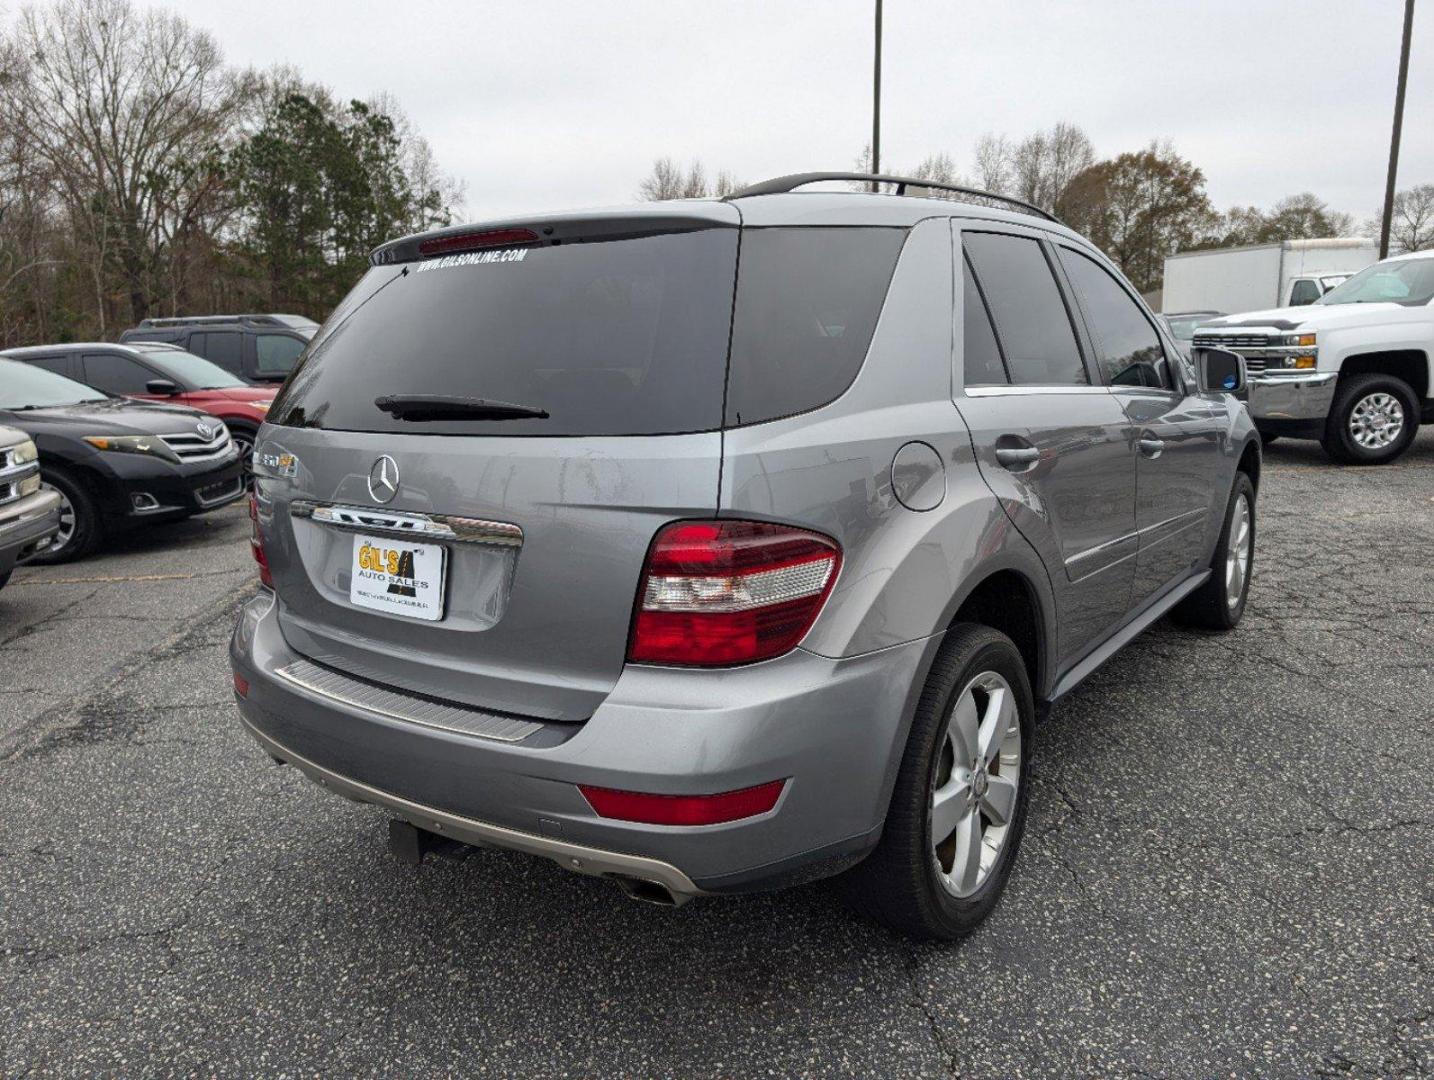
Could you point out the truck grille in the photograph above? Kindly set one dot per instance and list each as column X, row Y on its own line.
column 16, row 481
column 197, row 448
column 1240, row 343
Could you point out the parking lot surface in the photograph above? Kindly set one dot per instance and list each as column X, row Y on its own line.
column 1228, row 871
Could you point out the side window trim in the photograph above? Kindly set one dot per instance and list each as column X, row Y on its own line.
column 968, row 268
column 1171, row 366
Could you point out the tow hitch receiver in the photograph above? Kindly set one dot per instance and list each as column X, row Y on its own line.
column 409, row 844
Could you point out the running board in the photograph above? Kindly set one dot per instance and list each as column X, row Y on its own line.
column 1132, row 630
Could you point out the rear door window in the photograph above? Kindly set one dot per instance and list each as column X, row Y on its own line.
column 610, row 337
column 1028, row 309
column 1126, row 342
column 274, row 354
column 58, row 363
column 807, row 305
column 224, row 348
column 116, row 374
column 983, row 365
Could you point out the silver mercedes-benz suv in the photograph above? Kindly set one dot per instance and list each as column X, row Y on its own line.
column 721, row 545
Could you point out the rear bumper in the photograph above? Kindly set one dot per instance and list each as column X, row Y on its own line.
column 833, row 729
column 25, row 524
column 1292, row 398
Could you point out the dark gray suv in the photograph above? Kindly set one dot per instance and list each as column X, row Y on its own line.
column 721, row 545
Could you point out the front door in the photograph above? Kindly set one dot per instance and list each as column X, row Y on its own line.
column 1177, row 434
column 1053, row 444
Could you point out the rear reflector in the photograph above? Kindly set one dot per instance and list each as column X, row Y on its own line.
column 256, row 542
column 447, row 245
column 241, row 685
column 718, row 593
column 683, row 809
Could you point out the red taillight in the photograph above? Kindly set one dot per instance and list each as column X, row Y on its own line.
column 256, row 542
column 449, row 245
column 683, row 809
column 241, row 685
column 718, row 593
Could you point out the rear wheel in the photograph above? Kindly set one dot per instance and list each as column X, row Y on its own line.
column 1373, row 420
column 80, row 528
column 958, row 809
column 1220, row 602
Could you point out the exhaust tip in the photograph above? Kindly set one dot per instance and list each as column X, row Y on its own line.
column 649, row 892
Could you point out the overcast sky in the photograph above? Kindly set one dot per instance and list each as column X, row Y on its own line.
column 542, row 105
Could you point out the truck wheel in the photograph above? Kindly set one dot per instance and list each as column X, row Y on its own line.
column 959, row 805
column 244, row 437
column 1219, row 603
column 80, row 527
column 1373, row 420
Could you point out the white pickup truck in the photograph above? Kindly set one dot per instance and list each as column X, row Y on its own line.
column 1352, row 370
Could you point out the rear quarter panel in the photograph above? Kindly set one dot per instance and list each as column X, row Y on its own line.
column 904, row 572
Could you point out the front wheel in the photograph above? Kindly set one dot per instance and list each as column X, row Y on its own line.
column 243, row 438
column 1219, row 603
column 958, row 808
column 1373, row 420
column 80, row 526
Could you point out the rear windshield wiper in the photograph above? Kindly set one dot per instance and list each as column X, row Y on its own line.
column 422, row 407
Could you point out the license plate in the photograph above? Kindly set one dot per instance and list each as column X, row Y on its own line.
column 398, row 577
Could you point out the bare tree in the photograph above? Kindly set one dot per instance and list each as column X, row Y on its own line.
column 993, row 163
column 668, row 181
column 126, row 111
column 1044, row 163
column 1412, row 227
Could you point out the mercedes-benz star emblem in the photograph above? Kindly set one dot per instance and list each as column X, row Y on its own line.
column 383, row 479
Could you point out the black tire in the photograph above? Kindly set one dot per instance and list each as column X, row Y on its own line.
column 1210, row 607
column 5, row 578
column 1339, row 441
column 88, row 530
column 898, row 883
column 1265, row 440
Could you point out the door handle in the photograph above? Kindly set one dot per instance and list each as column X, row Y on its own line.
column 1151, row 446
column 1018, row 457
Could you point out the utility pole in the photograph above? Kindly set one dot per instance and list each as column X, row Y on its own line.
column 1398, row 125
column 876, row 99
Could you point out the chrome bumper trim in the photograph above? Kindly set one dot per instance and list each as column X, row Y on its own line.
column 1292, row 397
column 575, row 857
column 395, row 705
column 372, row 519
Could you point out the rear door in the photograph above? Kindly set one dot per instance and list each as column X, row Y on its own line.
column 1052, row 443
column 1177, row 432
column 222, row 347
column 518, row 544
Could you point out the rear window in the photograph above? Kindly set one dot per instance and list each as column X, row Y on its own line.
column 615, row 337
column 807, row 304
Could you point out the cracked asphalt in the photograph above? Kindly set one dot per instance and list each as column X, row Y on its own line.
column 1229, row 869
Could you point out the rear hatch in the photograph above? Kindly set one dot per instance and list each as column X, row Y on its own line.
column 485, row 553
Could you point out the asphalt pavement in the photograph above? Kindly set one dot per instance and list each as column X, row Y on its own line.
column 1229, row 868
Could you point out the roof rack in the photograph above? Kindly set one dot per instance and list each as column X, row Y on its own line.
column 783, row 184
column 192, row 320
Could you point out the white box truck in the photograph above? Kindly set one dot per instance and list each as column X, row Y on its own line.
column 1289, row 273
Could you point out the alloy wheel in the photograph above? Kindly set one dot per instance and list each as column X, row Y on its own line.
column 66, row 534
column 973, row 799
column 1237, row 554
column 1376, row 420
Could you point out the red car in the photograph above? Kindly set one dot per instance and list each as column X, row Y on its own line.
column 156, row 372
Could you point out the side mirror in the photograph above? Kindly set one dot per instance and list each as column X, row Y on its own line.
column 161, row 387
column 1221, row 372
